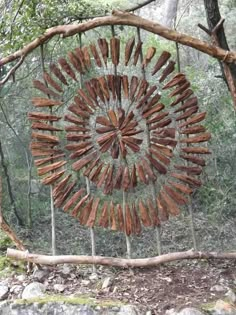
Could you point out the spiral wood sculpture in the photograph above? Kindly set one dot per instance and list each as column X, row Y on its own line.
column 120, row 135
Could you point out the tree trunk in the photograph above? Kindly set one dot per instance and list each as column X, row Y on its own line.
column 170, row 13
column 9, row 188
column 213, row 18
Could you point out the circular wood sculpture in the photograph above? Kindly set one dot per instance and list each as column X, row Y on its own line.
column 120, row 134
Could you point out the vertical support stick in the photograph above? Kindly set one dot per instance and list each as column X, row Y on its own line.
column 92, row 233
column 157, row 228
column 52, row 208
column 190, row 206
column 127, row 238
column 53, row 224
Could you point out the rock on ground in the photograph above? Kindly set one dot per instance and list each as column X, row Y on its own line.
column 3, row 291
column 57, row 308
column 32, row 290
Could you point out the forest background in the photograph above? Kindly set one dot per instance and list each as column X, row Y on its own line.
column 26, row 202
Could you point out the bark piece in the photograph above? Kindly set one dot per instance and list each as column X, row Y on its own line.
column 103, row 176
column 44, row 152
column 153, row 110
column 176, row 196
column 133, row 87
column 164, row 141
column 91, row 167
column 136, row 221
column 79, row 205
column 45, row 102
column 85, row 212
column 162, row 209
column 182, row 188
column 95, row 54
column 157, row 118
column 51, row 82
column 80, row 55
column 153, row 213
column 93, row 213
column 195, row 119
column 113, row 217
column 57, row 72
column 180, row 89
column 78, row 165
column 93, row 176
column 118, row 87
column 86, row 54
column 45, row 137
column 76, row 129
column 172, row 208
column 187, row 179
column 187, row 113
column 67, row 68
column 161, row 124
column 77, row 111
column 190, row 170
column 104, row 219
column 51, row 167
column 137, row 52
column 128, row 49
column 153, row 101
column 146, row 97
column 166, row 133
column 193, row 101
column 158, row 166
column 102, row 120
column 104, row 87
column 161, row 61
column 193, row 130
column 80, row 152
column 115, row 50
column 133, row 179
column 75, row 146
column 43, row 126
column 59, row 186
column 74, row 120
column 77, row 137
column 182, row 97
column 197, row 139
column 159, row 156
column 148, row 57
column 43, row 88
column 144, row 215
column 73, row 199
column 64, row 195
column 147, row 168
column 103, row 45
column 43, row 116
column 178, row 79
column 164, row 150
column 125, row 85
column 82, row 105
column 48, row 159
column 128, row 221
column 75, row 61
column 120, row 217
column 141, row 174
column 194, row 159
column 170, row 68
column 108, row 186
column 196, row 150
column 125, row 184
column 111, row 85
column 51, row 179
column 112, row 115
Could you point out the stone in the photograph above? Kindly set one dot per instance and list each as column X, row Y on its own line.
column 189, row 311
column 59, row 287
column 231, row 296
column 218, row 288
column 16, row 289
column 106, row 283
column 93, row 277
column 85, row 282
column 128, row 310
column 66, row 270
column 40, row 274
column 32, row 290
column 4, row 290
column 21, row 278
column 224, row 308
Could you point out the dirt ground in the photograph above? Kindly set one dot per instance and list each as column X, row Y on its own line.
column 175, row 285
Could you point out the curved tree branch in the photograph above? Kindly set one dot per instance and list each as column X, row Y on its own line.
column 116, row 262
column 121, row 18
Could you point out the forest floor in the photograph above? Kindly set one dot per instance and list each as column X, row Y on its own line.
column 173, row 285
column 193, row 283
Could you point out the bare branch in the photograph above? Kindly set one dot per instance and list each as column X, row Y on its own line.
column 116, row 262
column 13, row 70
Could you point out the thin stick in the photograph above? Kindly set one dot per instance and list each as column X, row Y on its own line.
column 116, row 262
column 157, row 228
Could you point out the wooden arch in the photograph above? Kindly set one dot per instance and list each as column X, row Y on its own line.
column 123, row 131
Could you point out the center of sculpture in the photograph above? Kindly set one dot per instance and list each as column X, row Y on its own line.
column 116, row 133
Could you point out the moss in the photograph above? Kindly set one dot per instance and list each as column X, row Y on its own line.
column 5, row 242
column 82, row 300
column 7, row 267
